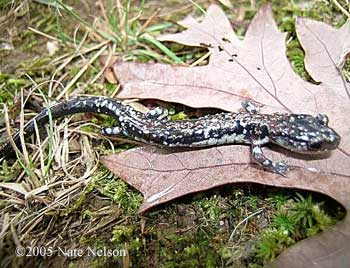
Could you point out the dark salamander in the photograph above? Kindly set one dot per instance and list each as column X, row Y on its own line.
column 296, row 132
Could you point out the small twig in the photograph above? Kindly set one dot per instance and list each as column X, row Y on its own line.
column 198, row 6
column 15, row 236
column 30, row 226
column 43, row 34
column 41, row 155
column 107, row 64
column 103, row 11
column 342, row 9
column 116, row 91
column 148, row 21
column 80, row 73
column 70, row 57
column 201, row 59
column 8, row 131
column 12, row 199
column 244, row 220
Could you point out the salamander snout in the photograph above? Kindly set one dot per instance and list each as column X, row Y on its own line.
column 305, row 134
column 326, row 138
column 325, row 141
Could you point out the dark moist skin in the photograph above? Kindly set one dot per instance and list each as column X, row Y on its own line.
column 296, row 132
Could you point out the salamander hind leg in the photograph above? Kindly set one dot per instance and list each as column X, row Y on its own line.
column 111, row 131
column 259, row 157
column 157, row 113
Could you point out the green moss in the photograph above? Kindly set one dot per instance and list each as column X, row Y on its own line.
column 346, row 70
column 8, row 3
column 296, row 219
column 79, row 202
column 272, row 242
column 9, row 172
column 104, row 120
column 72, row 265
column 122, row 234
column 282, row 220
column 210, row 208
column 191, row 250
column 126, row 198
column 279, row 199
column 102, row 244
column 9, row 86
column 296, row 55
column 179, row 116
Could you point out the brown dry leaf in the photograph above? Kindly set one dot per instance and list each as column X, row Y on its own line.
column 108, row 73
column 255, row 68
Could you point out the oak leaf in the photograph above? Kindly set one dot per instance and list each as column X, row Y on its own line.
column 258, row 69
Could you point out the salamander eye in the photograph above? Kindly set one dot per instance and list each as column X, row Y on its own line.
column 322, row 119
column 315, row 145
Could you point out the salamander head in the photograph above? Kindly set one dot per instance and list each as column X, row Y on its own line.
column 304, row 133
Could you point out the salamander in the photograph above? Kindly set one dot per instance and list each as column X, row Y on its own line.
column 301, row 133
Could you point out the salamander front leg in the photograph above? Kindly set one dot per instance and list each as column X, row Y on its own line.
column 250, row 107
column 157, row 113
column 259, row 157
